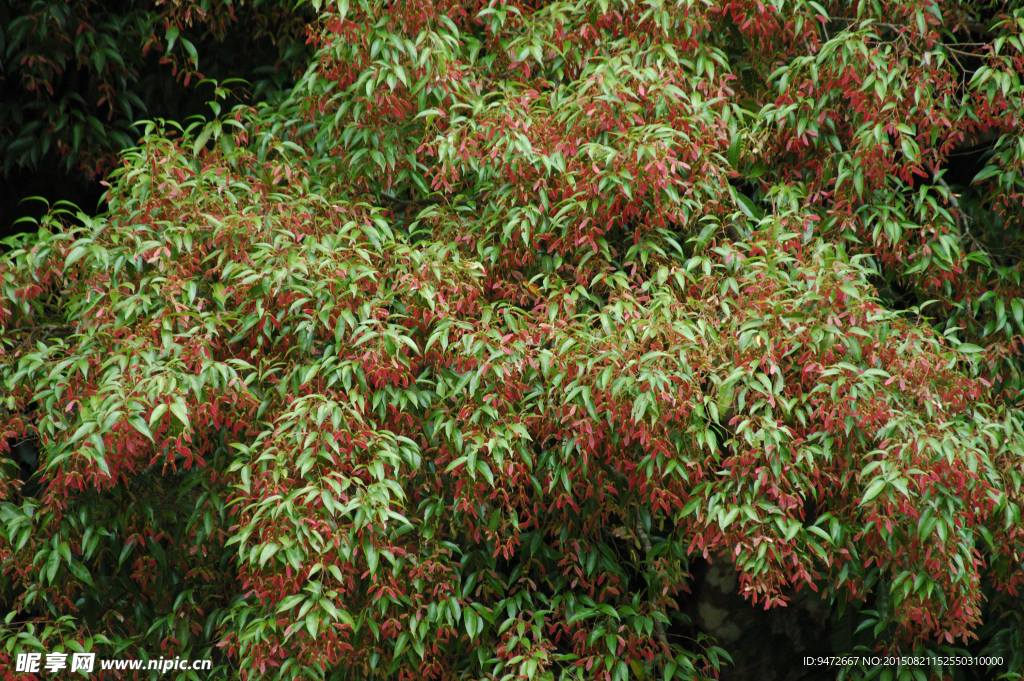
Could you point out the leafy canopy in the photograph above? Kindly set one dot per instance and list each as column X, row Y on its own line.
column 449, row 365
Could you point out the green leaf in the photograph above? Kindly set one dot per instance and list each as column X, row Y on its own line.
column 268, row 551
column 76, row 254
column 734, row 152
column 873, row 490
column 818, row 8
column 985, row 173
column 192, row 53
column 371, row 555
column 312, row 622
column 401, row 643
column 290, row 602
column 171, row 37
column 140, row 425
column 180, row 411
column 201, row 140
column 51, row 566
column 80, row 571
column 748, row 207
column 125, row 550
column 158, row 412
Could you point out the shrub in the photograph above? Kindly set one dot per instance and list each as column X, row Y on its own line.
column 449, row 365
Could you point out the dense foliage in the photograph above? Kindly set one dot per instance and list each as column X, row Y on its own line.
column 454, row 362
column 76, row 75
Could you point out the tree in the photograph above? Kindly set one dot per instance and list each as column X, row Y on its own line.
column 450, row 364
